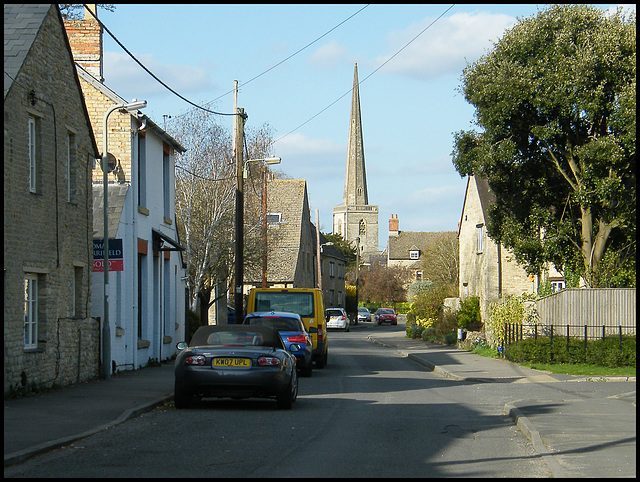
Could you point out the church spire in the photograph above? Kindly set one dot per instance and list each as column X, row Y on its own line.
column 355, row 185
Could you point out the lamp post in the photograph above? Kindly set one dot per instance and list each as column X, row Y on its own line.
column 242, row 172
column 106, row 329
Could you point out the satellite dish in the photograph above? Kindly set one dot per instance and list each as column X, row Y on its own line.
column 111, row 162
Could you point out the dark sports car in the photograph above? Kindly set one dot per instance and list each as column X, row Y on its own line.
column 237, row 361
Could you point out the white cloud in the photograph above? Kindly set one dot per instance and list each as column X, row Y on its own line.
column 326, row 56
column 295, row 144
column 121, row 72
column 446, row 46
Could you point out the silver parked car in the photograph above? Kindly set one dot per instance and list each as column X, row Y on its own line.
column 364, row 314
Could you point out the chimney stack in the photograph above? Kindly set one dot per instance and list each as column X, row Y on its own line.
column 85, row 39
column 394, row 226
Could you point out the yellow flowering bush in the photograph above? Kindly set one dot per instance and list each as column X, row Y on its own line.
column 425, row 323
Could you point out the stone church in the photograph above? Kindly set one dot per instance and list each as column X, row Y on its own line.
column 355, row 219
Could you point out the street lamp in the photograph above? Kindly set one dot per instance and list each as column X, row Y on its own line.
column 242, row 172
column 268, row 160
column 106, row 329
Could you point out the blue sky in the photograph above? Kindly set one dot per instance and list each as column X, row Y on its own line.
column 410, row 106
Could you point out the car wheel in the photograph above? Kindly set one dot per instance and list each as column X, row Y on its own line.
column 284, row 401
column 320, row 361
column 307, row 370
column 181, row 399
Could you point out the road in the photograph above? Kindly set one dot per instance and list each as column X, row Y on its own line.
column 370, row 413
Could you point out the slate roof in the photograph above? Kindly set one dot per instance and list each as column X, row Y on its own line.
column 486, row 195
column 22, row 23
column 406, row 241
column 287, row 196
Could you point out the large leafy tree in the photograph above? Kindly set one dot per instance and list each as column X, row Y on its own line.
column 555, row 102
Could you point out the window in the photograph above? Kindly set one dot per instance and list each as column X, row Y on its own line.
column 166, row 181
column 418, row 275
column 362, row 228
column 142, row 169
column 33, row 153
column 72, row 167
column 31, row 311
column 332, row 269
column 480, row 231
column 557, row 286
column 274, row 218
column 142, row 306
column 414, row 254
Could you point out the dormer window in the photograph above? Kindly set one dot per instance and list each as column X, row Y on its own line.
column 414, row 254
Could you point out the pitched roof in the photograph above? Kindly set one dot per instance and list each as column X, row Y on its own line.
column 289, row 197
column 486, row 195
column 406, row 241
column 22, row 23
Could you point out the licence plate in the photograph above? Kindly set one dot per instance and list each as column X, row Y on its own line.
column 231, row 363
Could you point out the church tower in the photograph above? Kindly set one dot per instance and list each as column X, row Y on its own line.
column 356, row 220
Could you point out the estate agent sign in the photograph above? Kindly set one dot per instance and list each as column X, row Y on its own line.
column 116, row 262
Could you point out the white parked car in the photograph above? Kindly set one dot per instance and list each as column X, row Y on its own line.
column 337, row 318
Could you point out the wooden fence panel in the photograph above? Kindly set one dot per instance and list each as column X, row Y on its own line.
column 594, row 307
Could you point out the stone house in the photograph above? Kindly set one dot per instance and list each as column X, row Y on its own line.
column 146, row 295
column 50, row 338
column 488, row 270
column 292, row 245
column 406, row 249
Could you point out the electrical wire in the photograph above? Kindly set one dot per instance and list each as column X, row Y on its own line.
column 361, row 81
column 290, row 56
column 276, row 65
column 147, row 70
column 226, row 93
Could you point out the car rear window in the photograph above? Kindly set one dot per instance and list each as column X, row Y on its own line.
column 279, row 323
column 334, row 312
column 299, row 303
column 236, row 335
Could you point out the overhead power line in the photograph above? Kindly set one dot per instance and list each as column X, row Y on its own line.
column 226, row 93
column 147, row 70
column 361, row 81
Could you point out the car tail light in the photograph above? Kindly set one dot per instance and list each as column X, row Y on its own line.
column 297, row 339
column 320, row 333
column 195, row 360
column 268, row 361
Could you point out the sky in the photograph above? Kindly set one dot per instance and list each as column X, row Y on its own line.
column 297, row 62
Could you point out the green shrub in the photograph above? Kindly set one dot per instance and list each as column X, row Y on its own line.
column 610, row 352
column 469, row 312
column 428, row 333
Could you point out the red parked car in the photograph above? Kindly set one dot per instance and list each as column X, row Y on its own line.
column 386, row 315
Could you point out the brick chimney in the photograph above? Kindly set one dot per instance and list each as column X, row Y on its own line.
column 394, row 226
column 85, row 39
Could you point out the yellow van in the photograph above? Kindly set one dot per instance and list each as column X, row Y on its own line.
column 307, row 302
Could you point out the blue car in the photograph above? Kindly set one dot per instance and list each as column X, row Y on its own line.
column 292, row 330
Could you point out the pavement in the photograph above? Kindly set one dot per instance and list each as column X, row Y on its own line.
column 574, row 436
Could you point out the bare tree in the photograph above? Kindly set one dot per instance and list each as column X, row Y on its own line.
column 205, row 204
column 440, row 262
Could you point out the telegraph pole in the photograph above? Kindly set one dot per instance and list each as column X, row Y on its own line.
column 318, row 250
column 239, row 274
